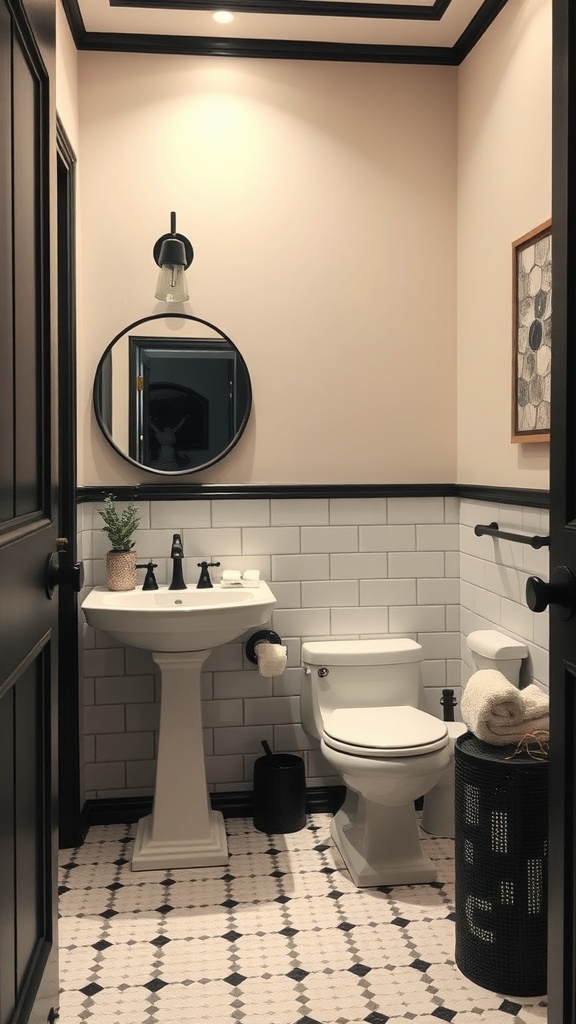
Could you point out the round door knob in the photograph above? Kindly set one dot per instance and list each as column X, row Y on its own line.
column 559, row 593
column 58, row 572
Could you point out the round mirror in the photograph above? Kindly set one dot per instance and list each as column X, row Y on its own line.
column 172, row 393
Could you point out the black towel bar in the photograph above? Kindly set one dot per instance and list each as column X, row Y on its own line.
column 491, row 530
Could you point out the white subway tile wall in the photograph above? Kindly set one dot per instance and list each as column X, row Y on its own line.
column 493, row 575
column 339, row 567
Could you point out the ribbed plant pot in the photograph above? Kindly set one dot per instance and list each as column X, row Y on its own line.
column 121, row 570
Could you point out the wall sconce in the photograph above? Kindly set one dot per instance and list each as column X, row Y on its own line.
column 173, row 253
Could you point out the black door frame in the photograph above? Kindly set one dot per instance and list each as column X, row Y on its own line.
column 71, row 832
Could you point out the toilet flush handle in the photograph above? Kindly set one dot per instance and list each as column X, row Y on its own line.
column 323, row 672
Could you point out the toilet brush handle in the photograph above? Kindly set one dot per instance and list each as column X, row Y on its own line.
column 448, row 702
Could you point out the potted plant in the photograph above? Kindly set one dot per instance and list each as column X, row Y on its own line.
column 119, row 527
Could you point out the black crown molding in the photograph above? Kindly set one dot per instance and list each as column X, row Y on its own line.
column 476, row 29
column 277, row 49
column 302, row 8
column 182, row 492
column 272, row 49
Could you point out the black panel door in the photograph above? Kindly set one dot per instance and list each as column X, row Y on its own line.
column 28, row 518
column 562, row 864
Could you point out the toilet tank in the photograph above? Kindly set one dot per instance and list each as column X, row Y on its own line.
column 494, row 650
column 357, row 674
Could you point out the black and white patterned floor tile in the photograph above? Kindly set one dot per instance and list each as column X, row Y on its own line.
column 279, row 936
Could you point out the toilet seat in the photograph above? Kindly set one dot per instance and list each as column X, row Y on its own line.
column 384, row 732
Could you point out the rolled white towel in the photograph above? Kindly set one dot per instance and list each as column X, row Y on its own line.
column 497, row 712
column 536, row 702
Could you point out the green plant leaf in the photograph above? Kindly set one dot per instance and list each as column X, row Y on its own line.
column 119, row 527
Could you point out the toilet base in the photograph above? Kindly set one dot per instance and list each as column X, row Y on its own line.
column 380, row 845
column 438, row 815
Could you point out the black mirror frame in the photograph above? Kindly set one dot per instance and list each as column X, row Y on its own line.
column 97, row 394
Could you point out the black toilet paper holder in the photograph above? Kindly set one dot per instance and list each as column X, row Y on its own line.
column 262, row 635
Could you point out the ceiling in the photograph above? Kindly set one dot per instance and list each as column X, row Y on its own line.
column 419, row 32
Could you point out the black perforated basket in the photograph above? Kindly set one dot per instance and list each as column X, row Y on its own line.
column 501, row 846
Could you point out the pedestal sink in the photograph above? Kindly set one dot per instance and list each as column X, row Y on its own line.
column 180, row 627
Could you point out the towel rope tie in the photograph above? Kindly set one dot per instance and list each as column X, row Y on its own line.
column 535, row 744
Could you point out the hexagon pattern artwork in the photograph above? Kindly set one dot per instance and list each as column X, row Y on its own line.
column 533, row 332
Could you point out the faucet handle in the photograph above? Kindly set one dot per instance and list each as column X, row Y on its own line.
column 150, row 579
column 204, row 581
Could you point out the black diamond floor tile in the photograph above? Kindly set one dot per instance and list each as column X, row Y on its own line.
column 156, row 985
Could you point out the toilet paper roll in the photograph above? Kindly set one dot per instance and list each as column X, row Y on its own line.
column 272, row 658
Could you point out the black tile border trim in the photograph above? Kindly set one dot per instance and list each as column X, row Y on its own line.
column 126, row 810
column 505, row 495
column 181, row 492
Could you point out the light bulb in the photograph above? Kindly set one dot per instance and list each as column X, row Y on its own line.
column 171, row 286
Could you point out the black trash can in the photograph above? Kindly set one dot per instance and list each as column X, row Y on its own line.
column 279, row 793
column 501, row 850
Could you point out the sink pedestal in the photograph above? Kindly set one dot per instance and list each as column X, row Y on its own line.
column 184, row 625
column 182, row 831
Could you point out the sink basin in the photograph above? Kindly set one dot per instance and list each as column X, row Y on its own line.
column 178, row 620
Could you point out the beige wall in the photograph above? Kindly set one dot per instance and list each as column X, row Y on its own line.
column 504, row 175
column 321, row 200
column 66, row 78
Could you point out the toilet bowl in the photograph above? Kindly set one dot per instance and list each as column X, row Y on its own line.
column 360, row 699
column 489, row 649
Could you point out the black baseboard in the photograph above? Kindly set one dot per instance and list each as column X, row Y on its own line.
column 126, row 810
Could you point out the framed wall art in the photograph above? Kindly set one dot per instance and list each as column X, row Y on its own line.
column 532, row 334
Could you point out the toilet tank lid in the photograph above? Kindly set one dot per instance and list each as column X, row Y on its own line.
column 490, row 643
column 361, row 652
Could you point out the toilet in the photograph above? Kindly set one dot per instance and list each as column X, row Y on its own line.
column 489, row 649
column 360, row 699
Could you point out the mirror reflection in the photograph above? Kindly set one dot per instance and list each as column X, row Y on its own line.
column 172, row 393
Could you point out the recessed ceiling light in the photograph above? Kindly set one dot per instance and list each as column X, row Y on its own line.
column 223, row 17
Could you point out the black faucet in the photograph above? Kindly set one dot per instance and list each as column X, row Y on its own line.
column 204, row 582
column 177, row 556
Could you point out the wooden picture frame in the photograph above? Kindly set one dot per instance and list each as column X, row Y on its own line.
column 532, row 334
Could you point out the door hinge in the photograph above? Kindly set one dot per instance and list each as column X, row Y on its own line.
column 139, row 383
